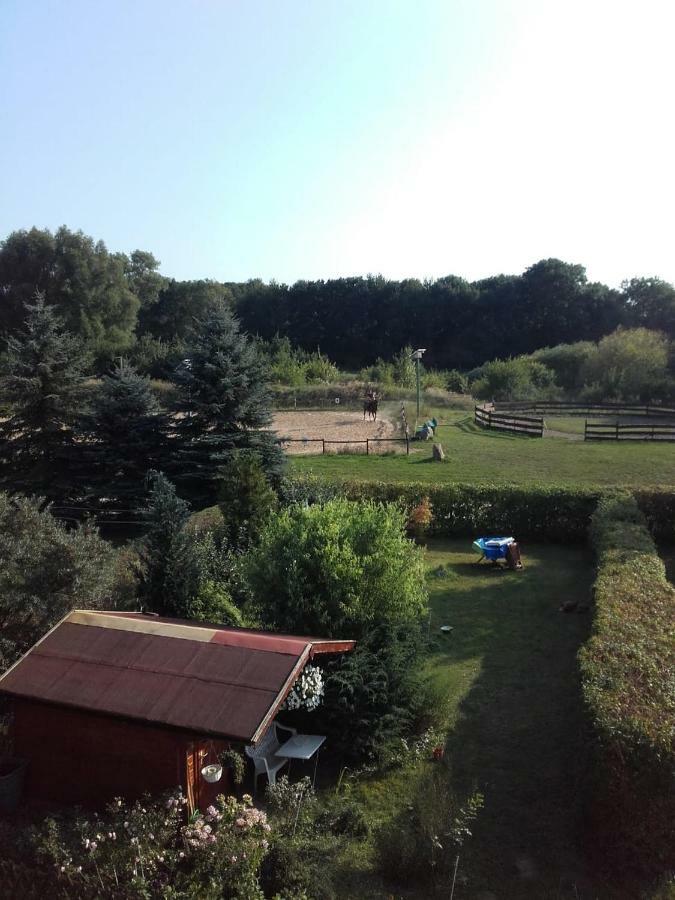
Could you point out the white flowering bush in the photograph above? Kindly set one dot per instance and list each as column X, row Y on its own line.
column 147, row 850
column 307, row 692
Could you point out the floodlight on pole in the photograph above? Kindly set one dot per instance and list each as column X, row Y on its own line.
column 417, row 356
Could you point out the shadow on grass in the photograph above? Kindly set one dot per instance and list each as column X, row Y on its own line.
column 468, row 426
column 520, row 734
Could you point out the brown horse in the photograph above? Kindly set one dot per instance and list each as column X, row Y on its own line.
column 370, row 407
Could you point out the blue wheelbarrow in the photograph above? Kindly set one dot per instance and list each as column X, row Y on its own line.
column 497, row 550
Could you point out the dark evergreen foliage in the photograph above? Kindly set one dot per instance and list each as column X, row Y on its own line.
column 166, row 514
column 374, row 694
column 245, row 498
column 42, row 384
column 224, row 405
column 186, row 573
column 125, row 436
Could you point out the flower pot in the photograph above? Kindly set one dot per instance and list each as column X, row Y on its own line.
column 12, row 771
column 212, row 773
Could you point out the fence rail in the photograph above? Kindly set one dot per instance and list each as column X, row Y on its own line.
column 487, row 417
column 326, row 441
column 604, row 431
column 586, row 409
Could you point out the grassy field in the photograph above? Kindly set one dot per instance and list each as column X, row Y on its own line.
column 509, row 674
column 480, row 456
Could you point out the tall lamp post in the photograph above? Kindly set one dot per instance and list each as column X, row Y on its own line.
column 417, row 356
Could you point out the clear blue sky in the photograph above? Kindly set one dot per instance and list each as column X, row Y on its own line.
column 295, row 139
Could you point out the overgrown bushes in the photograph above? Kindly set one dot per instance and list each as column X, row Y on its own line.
column 628, row 672
column 421, row 843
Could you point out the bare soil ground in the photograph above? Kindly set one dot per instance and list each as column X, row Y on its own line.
column 330, row 425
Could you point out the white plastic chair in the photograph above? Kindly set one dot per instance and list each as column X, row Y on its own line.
column 262, row 754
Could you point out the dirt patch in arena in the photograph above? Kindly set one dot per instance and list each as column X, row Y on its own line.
column 333, row 426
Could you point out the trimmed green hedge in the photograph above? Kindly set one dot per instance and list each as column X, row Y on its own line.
column 628, row 678
column 560, row 514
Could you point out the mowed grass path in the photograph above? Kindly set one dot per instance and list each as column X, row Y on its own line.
column 480, row 456
column 508, row 673
column 517, row 726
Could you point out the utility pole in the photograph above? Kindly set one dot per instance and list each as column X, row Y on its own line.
column 417, row 356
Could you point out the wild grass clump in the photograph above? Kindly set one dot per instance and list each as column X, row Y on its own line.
column 420, row 844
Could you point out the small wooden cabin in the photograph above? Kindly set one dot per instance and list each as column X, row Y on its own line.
column 118, row 704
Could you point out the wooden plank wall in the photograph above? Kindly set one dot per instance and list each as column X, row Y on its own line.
column 487, row 416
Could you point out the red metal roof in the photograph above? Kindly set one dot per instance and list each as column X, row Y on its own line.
column 225, row 682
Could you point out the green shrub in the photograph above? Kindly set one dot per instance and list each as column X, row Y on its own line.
column 336, row 570
column 434, row 379
column 628, row 669
column 567, row 362
column 381, row 373
column 421, row 843
column 457, row 382
column 375, row 695
column 521, row 378
column 630, row 364
column 342, row 815
column 286, row 871
column 319, row 369
column 405, row 372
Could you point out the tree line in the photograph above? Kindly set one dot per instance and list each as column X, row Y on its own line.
column 121, row 304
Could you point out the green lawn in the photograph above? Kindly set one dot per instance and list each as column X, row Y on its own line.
column 509, row 674
column 566, row 424
column 480, row 456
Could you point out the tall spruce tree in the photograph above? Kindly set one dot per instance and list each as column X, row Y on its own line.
column 126, row 433
column 166, row 514
column 42, row 386
column 224, row 405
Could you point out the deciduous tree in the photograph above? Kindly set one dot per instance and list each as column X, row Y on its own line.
column 46, row 569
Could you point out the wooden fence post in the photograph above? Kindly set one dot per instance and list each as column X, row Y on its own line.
column 617, row 431
column 323, row 447
column 367, row 447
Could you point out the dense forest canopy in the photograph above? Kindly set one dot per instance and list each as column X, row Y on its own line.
column 121, row 304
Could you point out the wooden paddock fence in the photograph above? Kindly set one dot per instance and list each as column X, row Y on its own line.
column 579, row 408
column 620, row 431
column 487, row 416
column 326, row 442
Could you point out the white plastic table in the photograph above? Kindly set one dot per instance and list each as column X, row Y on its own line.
column 302, row 746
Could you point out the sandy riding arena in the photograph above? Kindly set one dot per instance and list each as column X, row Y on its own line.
column 333, row 426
